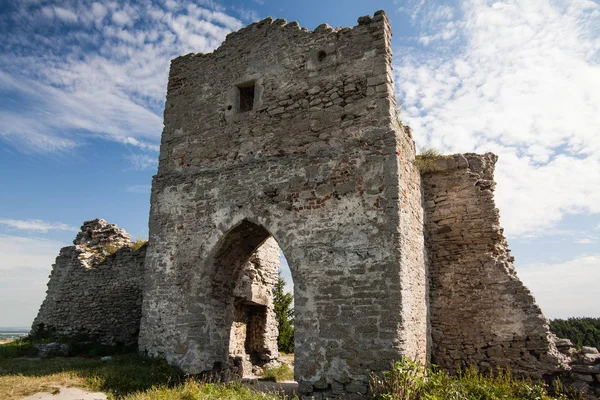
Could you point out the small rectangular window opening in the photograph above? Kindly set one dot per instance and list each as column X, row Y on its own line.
column 246, row 96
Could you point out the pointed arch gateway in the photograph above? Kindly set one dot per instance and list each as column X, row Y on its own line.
column 246, row 266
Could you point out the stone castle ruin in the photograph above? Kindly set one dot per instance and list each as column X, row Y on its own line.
column 284, row 138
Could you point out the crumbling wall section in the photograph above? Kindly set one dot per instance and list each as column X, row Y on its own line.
column 481, row 313
column 95, row 288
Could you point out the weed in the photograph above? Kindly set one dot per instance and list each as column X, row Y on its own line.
column 109, row 249
column 279, row 374
column 427, row 160
column 405, row 381
column 138, row 244
column 408, row 381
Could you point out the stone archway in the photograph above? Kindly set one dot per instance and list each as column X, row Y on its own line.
column 244, row 276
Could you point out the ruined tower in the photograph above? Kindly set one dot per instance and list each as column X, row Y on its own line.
column 290, row 134
column 288, row 139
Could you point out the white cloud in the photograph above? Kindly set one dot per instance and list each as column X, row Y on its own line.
column 37, row 225
column 104, row 77
column 567, row 289
column 121, row 18
column 171, row 4
column 65, row 15
column 26, row 265
column 47, row 12
column 518, row 78
column 247, row 15
column 141, row 162
column 98, row 11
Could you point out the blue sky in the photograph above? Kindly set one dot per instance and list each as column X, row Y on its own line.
column 82, row 87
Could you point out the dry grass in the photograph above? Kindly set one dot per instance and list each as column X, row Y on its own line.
column 194, row 390
column 138, row 244
column 427, row 160
column 124, row 377
column 14, row 387
column 280, row 374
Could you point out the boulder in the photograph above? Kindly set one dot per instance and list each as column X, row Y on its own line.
column 53, row 349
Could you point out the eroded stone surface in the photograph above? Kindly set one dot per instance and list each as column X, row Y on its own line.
column 481, row 314
column 319, row 163
column 253, row 336
column 95, row 288
column 285, row 137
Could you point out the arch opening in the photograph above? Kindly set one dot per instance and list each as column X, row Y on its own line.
column 246, row 273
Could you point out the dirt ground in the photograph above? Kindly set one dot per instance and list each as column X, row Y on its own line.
column 64, row 393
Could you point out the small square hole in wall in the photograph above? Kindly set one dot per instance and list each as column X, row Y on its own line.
column 246, row 96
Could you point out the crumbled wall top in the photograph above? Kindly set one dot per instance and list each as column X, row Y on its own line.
column 98, row 232
column 99, row 239
column 234, row 37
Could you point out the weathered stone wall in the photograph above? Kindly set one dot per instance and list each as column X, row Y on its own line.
column 253, row 340
column 583, row 372
column 95, row 287
column 414, row 274
column 481, row 313
column 319, row 163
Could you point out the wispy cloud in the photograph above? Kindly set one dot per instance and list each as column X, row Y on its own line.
column 521, row 79
column 37, row 225
column 246, row 14
column 585, row 241
column 141, row 162
column 105, row 67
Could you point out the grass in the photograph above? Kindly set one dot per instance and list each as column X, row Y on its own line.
column 427, row 160
column 109, row 249
column 409, row 381
column 195, row 390
column 134, row 377
column 138, row 244
column 124, row 377
column 279, row 374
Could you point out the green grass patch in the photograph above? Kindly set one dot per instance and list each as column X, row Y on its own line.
column 279, row 374
column 18, row 348
column 125, row 376
column 409, row 381
column 122, row 375
column 79, row 346
column 427, row 160
column 138, row 244
column 195, row 390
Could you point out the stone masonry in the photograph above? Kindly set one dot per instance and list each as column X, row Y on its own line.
column 253, row 337
column 480, row 313
column 95, row 288
column 285, row 139
column 317, row 161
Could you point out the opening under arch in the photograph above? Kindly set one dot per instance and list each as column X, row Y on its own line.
column 246, row 272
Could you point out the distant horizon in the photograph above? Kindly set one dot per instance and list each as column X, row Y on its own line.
column 20, row 329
